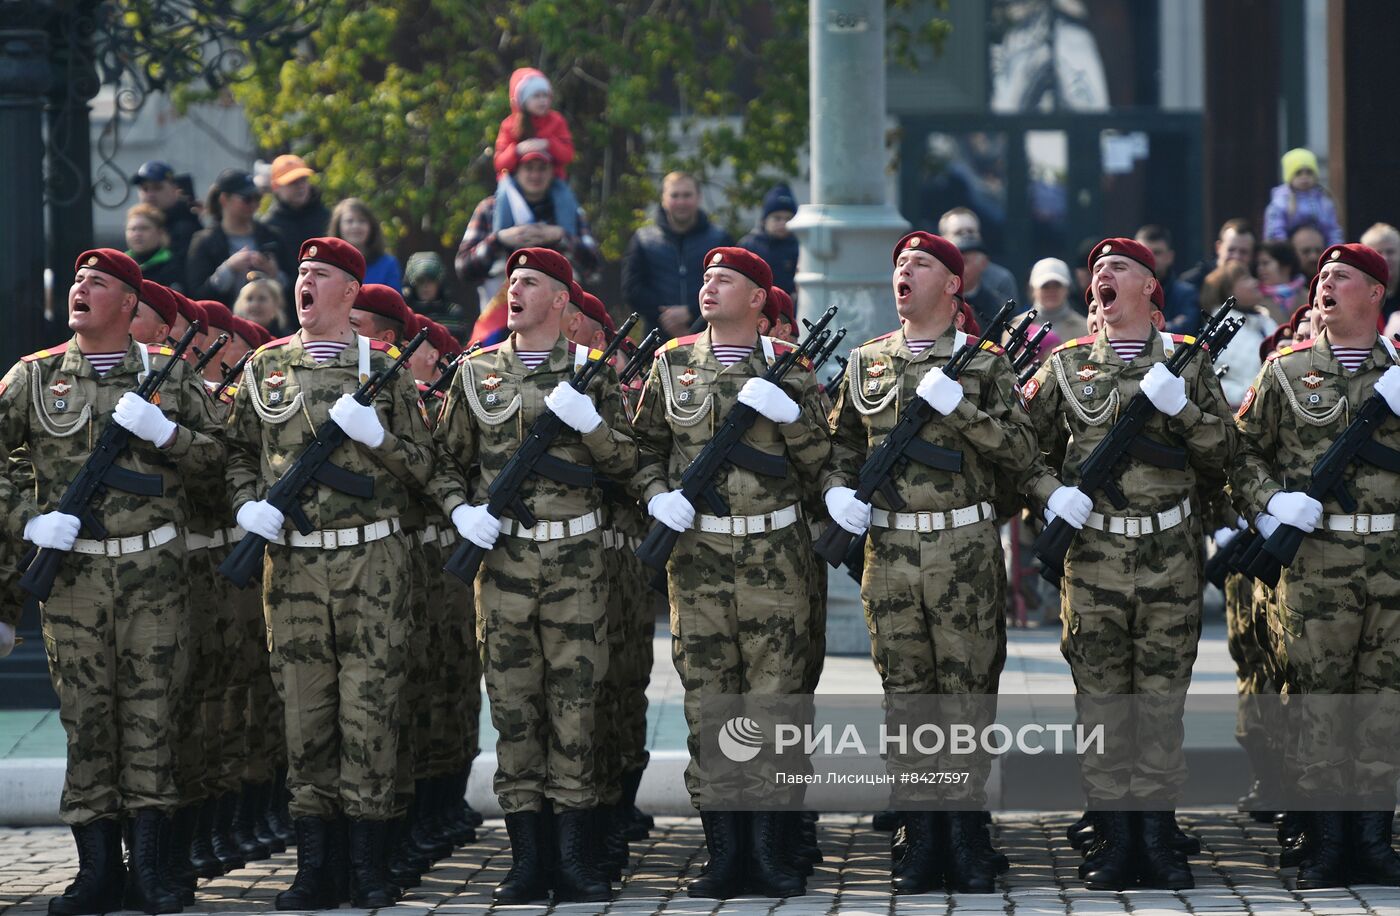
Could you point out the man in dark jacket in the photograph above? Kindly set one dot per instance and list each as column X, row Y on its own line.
column 223, row 257
column 663, row 268
column 772, row 241
column 298, row 213
column 156, row 184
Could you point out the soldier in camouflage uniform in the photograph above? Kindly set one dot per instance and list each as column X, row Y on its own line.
column 738, row 584
column 335, row 599
column 113, row 628
column 541, row 593
column 1131, row 594
column 934, row 585
column 1338, row 603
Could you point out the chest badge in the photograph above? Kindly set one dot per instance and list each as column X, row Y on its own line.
column 275, row 379
column 1087, row 372
column 491, row 382
column 1088, row 391
column 688, row 377
column 873, row 373
column 60, row 388
column 1312, row 379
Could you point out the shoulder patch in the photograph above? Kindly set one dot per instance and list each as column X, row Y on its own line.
column 480, row 351
column 1246, row 403
column 1291, row 348
column 685, row 341
column 1077, row 342
column 159, row 350
column 385, row 347
column 992, row 347
column 279, row 342
column 55, row 350
column 880, row 338
column 1031, row 389
column 1183, row 339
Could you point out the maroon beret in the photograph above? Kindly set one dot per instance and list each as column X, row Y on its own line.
column 546, row 260
column 779, row 305
column 594, row 308
column 970, row 325
column 190, row 310
column 1312, row 290
column 1128, row 248
column 337, row 253
column 113, row 262
column 253, row 334
column 741, row 261
column 1159, row 297
column 936, row 245
column 387, row 302
column 161, row 300
column 1362, row 257
column 218, row 316
column 439, row 338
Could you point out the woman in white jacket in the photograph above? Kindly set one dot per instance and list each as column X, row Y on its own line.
column 1240, row 360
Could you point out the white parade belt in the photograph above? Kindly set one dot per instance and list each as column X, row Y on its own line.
column 196, row 541
column 332, row 538
column 931, row 521
column 552, row 531
column 120, row 547
column 1137, row 525
column 1361, row 523
column 742, row 525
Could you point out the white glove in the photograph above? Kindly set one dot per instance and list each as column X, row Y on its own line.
column 1266, row 524
column 848, row 511
column 1388, row 387
column 1070, row 504
column 261, row 518
column 359, row 421
column 55, row 530
column 673, row 510
column 1167, row 392
column 769, row 400
column 1223, row 536
column 1297, row 509
column 7, row 639
column 942, row 393
column 574, row 408
column 477, row 524
column 143, row 419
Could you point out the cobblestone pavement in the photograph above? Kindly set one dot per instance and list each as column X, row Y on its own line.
column 1235, row 873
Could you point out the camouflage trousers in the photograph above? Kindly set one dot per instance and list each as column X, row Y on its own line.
column 1339, row 621
column 622, row 702
column 339, row 622
column 460, row 740
column 1131, row 615
column 415, row 713
column 543, row 612
column 454, row 667
column 264, row 717
column 1247, row 639
column 196, row 735
column 932, row 602
column 739, row 616
column 113, row 631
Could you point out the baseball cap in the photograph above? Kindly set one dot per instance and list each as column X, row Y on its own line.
column 287, row 168
column 153, row 170
column 236, row 181
column 1048, row 270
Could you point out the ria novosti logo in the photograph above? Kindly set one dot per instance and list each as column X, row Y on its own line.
column 740, row 739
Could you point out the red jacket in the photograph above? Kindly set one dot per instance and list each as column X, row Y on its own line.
column 550, row 127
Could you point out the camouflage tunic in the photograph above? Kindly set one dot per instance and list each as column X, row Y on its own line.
column 541, row 605
column 1337, row 609
column 1131, row 606
column 739, row 604
column 114, row 628
column 933, row 598
column 338, row 618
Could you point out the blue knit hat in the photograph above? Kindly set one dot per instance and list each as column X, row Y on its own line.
column 779, row 198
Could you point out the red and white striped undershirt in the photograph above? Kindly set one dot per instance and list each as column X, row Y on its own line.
column 104, row 362
column 532, row 358
column 917, row 346
column 322, row 350
column 730, row 354
column 1351, row 357
column 1128, row 350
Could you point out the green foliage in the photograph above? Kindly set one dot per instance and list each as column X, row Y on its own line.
column 399, row 102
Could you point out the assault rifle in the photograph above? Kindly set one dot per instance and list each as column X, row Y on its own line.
column 1124, row 439
column 827, row 350
column 532, row 459
column 726, row 447
column 232, row 375
column 640, row 358
column 97, row 474
column 903, row 445
column 314, row 466
column 1016, row 338
column 1025, row 360
column 207, row 356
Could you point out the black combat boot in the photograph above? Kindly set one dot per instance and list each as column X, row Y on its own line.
column 576, row 875
column 1160, row 865
column 639, row 823
column 919, row 869
column 1262, row 799
column 722, row 877
column 242, row 832
column 144, row 890
column 1294, row 838
column 1081, row 833
column 612, row 823
column 279, row 818
column 311, row 888
column 1375, row 861
column 202, row 858
column 968, row 869
column 407, row 864
column 338, row 859
column 1326, row 862
column 1181, row 841
column 179, row 882
column 423, row 825
column 768, row 872
column 262, row 828
column 369, row 885
column 1112, row 861
column 982, row 841
column 220, row 838
column 525, row 882
column 471, row 815
column 888, row 821
column 98, row 886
